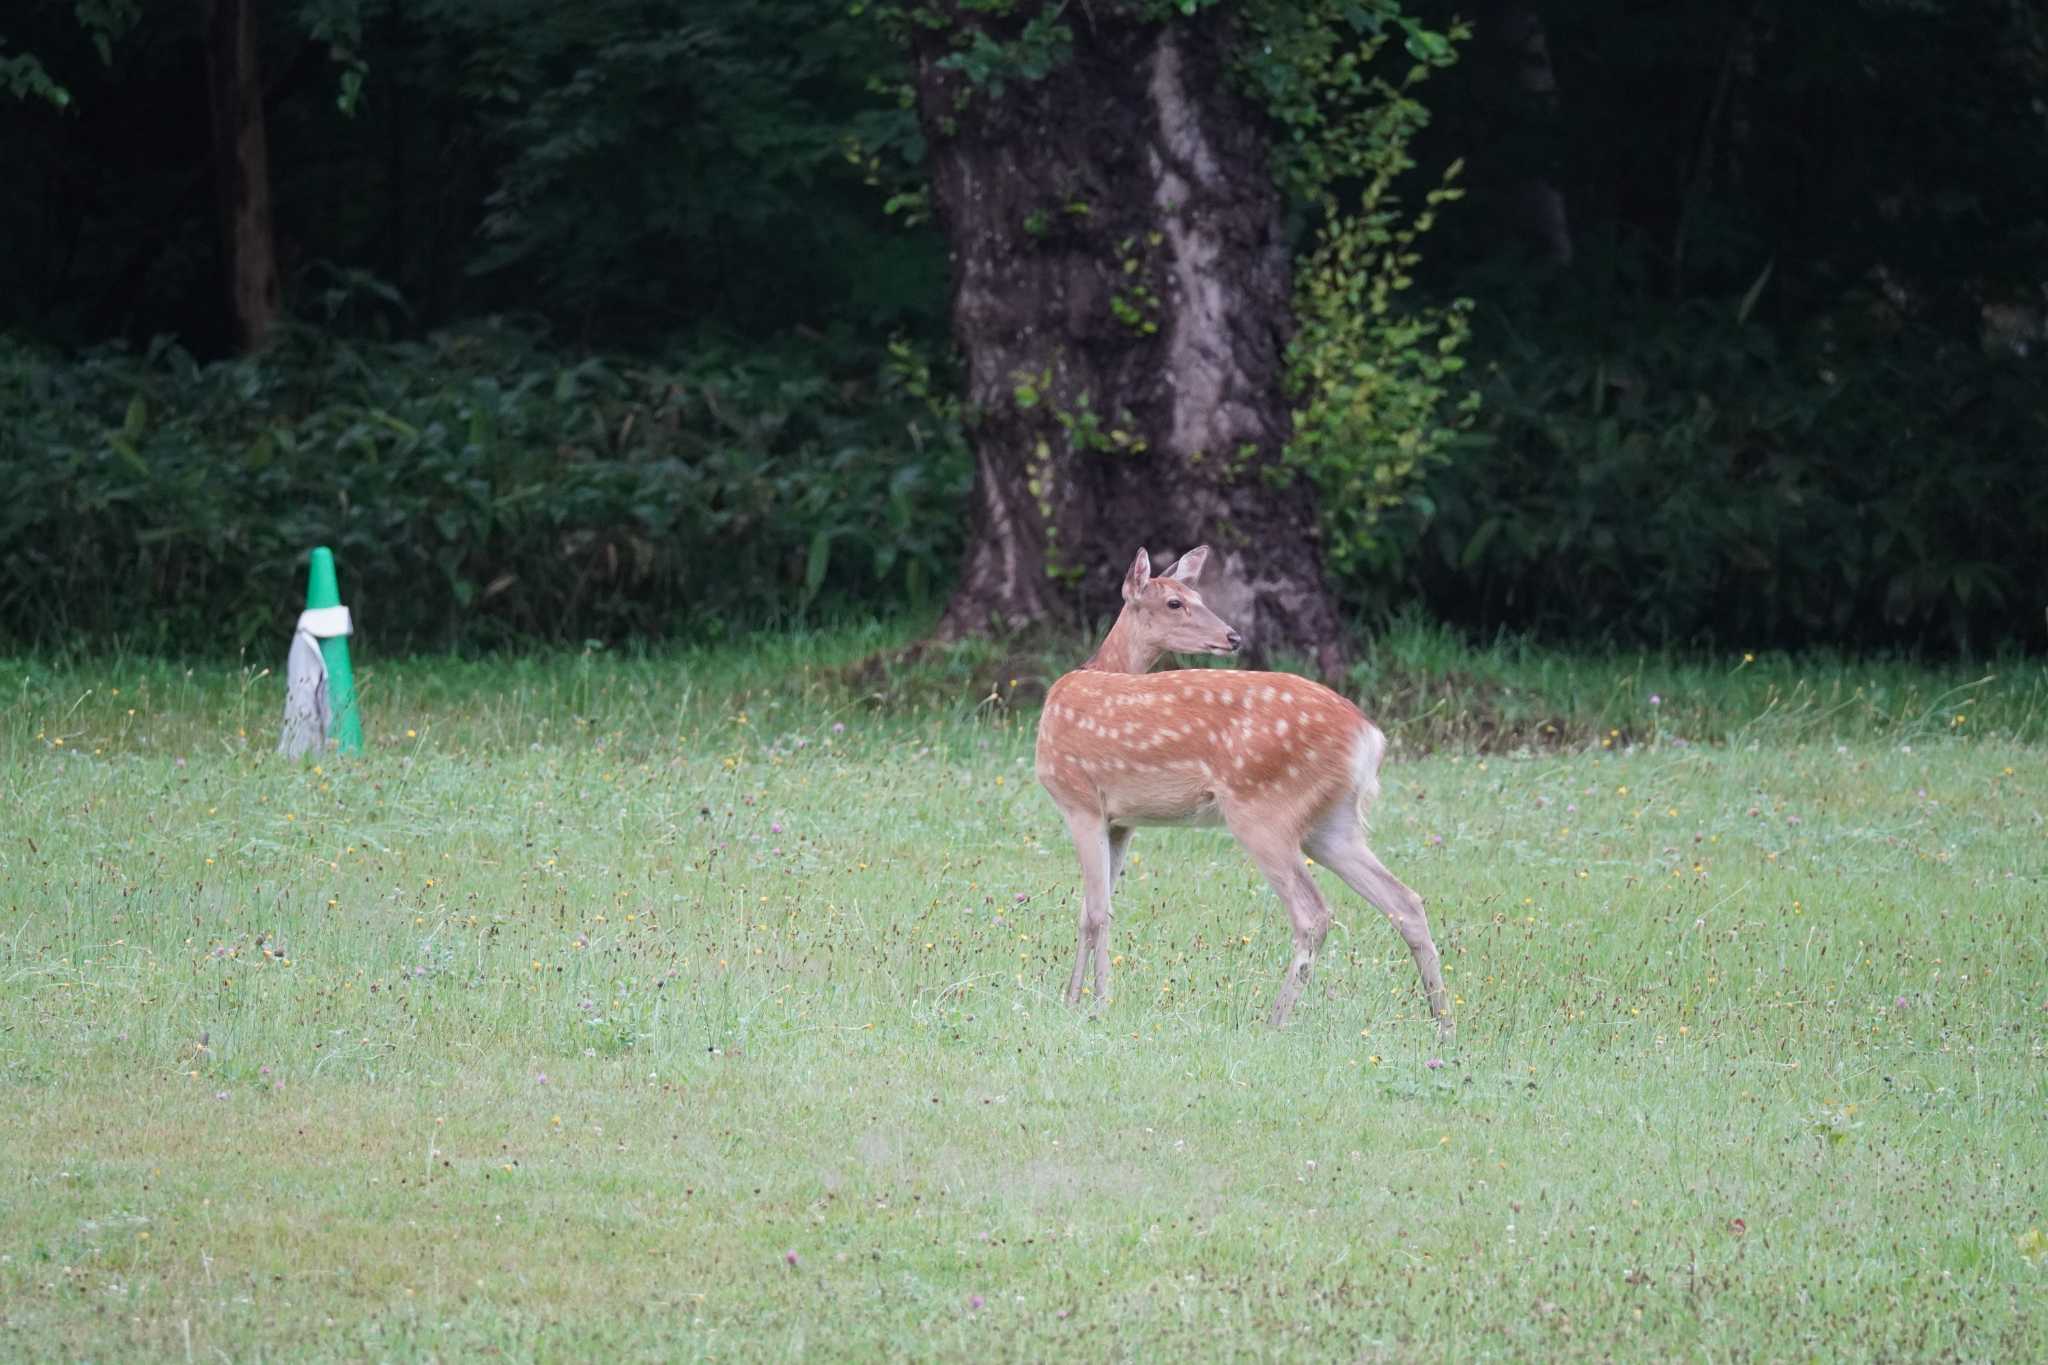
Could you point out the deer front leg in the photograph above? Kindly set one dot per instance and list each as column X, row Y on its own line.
column 1092, row 840
column 1119, row 844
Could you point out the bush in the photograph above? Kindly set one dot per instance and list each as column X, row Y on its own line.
column 1678, row 474
column 477, row 489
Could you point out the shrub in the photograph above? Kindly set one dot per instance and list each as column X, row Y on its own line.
column 1681, row 474
column 477, row 488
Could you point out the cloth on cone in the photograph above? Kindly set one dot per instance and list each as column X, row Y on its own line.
column 308, row 718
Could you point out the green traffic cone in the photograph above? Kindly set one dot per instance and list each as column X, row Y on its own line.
column 322, row 591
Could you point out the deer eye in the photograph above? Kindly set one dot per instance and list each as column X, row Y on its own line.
column 1173, row 604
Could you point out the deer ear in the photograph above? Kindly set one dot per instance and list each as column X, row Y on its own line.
column 1189, row 566
column 1138, row 577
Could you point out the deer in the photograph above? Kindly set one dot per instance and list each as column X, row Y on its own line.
column 1287, row 765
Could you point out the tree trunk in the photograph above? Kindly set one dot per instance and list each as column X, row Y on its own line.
column 1535, row 204
column 1121, row 291
column 241, row 168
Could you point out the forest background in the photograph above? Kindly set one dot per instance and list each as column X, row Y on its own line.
column 1686, row 323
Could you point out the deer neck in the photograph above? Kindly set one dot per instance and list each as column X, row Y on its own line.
column 1122, row 651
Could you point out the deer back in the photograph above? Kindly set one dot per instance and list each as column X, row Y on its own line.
column 1190, row 745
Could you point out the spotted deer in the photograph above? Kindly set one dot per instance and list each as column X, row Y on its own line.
column 1285, row 764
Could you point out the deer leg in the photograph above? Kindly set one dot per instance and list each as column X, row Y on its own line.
column 1119, row 844
column 1306, row 914
column 1339, row 844
column 1092, row 840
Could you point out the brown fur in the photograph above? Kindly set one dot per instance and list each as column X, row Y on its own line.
column 1146, row 748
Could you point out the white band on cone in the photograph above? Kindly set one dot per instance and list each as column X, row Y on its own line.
column 326, row 622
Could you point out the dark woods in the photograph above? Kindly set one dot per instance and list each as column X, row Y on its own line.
column 633, row 319
column 1787, row 383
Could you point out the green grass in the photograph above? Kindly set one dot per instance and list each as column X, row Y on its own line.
column 707, row 1006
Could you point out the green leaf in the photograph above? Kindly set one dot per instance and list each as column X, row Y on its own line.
column 1754, row 292
column 816, row 562
column 1476, row 546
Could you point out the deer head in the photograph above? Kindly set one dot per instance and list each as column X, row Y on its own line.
column 1163, row 615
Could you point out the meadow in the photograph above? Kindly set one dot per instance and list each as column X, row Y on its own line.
column 707, row 1006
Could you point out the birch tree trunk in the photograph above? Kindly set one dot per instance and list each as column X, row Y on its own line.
column 1121, row 291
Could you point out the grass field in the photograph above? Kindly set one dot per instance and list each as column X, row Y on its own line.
column 708, row 1007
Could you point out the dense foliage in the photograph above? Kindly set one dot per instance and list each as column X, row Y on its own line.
column 627, row 170
column 1677, row 473
column 1376, row 375
column 1789, row 388
column 477, row 488
column 1785, row 389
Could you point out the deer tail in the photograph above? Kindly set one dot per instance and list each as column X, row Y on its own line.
column 1365, row 770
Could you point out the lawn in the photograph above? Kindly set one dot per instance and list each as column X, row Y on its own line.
column 708, row 1006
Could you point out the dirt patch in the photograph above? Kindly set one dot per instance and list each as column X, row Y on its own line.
column 1426, row 712
column 1423, row 712
column 1014, row 671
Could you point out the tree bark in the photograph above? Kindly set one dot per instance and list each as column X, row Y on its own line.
column 1121, row 291
column 241, row 168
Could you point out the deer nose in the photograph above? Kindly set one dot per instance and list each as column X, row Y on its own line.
column 1232, row 638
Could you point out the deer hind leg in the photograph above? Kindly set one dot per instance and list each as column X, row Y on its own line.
column 1093, row 842
column 1339, row 844
column 1307, row 915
